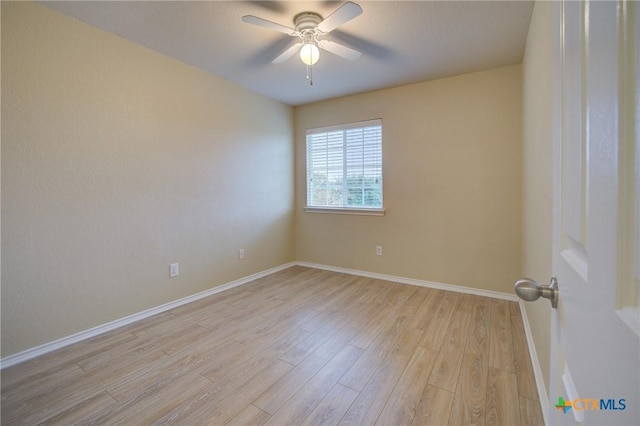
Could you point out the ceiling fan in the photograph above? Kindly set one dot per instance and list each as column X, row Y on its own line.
column 310, row 27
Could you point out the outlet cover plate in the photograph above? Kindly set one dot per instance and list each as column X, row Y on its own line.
column 174, row 270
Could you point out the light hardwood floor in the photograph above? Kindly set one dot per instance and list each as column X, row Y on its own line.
column 301, row 346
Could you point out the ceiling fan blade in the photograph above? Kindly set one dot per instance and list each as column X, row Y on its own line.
column 340, row 50
column 287, row 54
column 250, row 19
column 341, row 15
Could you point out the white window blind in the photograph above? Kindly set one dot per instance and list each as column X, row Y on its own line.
column 344, row 166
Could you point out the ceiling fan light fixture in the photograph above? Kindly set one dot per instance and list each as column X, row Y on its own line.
column 309, row 53
column 309, row 26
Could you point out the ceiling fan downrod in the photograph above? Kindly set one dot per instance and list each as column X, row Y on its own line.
column 310, row 74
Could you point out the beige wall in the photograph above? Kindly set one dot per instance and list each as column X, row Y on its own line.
column 117, row 161
column 452, row 182
column 537, row 170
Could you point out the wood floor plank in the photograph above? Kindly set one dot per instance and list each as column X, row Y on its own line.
column 222, row 317
column 165, row 323
column 153, row 403
column 235, row 400
column 276, row 397
column 224, row 334
column 45, row 405
column 332, row 407
column 415, row 300
column 364, row 312
column 41, row 383
column 338, row 340
column 447, row 367
column 434, row 407
column 148, row 325
column 478, row 338
column 470, row 396
column 300, row 346
column 371, row 290
column 374, row 327
column 211, row 360
column 167, row 372
column 522, row 363
column 185, row 341
column 514, row 309
column 280, row 392
column 503, row 405
column 140, row 345
column 403, row 402
column 347, row 297
column 358, row 376
column 317, row 322
column 253, row 357
column 45, row 364
column 221, row 402
column 312, row 342
column 469, row 401
column 269, row 331
column 300, row 405
column 399, row 295
column 439, row 322
column 371, row 401
column 251, row 415
column 424, row 314
column 501, row 343
column 77, row 414
column 530, row 412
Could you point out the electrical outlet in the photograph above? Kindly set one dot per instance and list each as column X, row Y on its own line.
column 241, row 254
column 378, row 250
column 174, row 270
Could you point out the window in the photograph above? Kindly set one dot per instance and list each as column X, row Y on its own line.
column 344, row 168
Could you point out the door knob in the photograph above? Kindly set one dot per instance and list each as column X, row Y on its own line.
column 529, row 290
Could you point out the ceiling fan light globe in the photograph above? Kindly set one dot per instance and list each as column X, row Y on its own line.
column 309, row 53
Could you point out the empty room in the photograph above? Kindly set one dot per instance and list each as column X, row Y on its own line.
column 320, row 212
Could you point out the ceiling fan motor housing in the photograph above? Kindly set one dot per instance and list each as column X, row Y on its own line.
column 306, row 21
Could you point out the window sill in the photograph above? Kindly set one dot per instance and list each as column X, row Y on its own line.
column 344, row 210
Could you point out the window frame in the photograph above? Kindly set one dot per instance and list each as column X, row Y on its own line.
column 357, row 210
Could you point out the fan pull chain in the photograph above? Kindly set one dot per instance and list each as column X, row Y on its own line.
column 310, row 74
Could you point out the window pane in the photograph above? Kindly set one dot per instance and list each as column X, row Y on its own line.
column 344, row 166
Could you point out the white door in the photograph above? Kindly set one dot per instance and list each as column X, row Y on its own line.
column 595, row 340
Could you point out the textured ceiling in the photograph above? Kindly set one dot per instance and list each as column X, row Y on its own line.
column 402, row 41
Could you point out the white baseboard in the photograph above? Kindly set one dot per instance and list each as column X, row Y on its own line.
column 543, row 396
column 412, row 281
column 92, row 332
